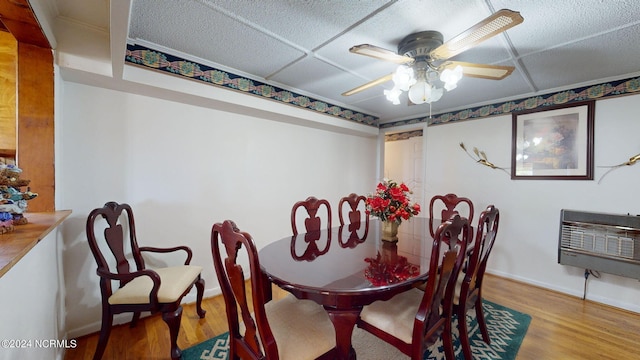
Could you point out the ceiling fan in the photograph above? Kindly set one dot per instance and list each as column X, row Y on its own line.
column 424, row 65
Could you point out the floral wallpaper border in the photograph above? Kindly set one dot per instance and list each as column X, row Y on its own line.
column 141, row 55
column 608, row 89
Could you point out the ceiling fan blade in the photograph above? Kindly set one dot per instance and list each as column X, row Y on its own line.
column 483, row 71
column 368, row 85
column 380, row 53
column 493, row 25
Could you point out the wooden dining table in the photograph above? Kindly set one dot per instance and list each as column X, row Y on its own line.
column 345, row 268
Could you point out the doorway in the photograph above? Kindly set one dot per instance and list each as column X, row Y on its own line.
column 404, row 162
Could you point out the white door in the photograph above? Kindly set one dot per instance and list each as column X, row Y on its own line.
column 403, row 162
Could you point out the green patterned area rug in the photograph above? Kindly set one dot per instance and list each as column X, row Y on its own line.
column 507, row 329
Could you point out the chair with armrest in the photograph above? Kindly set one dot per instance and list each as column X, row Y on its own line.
column 468, row 293
column 450, row 204
column 278, row 329
column 140, row 289
column 414, row 320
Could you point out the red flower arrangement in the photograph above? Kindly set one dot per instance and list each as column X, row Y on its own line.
column 391, row 202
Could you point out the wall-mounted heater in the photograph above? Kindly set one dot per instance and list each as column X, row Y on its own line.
column 608, row 243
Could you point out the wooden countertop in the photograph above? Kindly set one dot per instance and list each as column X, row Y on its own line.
column 16, row 244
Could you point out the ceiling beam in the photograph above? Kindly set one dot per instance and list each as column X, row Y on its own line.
column 118, row 29
column 18, row 17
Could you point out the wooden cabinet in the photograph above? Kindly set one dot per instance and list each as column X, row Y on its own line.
column 35, row 101
column 8, row 118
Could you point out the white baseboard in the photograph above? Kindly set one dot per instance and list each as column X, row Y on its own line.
column 606, row 301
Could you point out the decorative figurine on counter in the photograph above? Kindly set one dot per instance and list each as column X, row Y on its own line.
column 13, row 201
column 6, row 222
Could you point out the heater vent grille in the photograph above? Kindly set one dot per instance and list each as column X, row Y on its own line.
column 605, row 242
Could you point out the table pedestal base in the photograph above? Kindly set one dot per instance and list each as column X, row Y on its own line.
column 344, row 320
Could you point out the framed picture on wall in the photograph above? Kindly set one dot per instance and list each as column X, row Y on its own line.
column 553, row 144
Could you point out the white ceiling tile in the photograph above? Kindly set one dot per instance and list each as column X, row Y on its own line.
column 304, row 46
column 305, row 23
column 598, row 58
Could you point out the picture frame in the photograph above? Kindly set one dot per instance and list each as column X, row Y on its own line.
column 553, row 144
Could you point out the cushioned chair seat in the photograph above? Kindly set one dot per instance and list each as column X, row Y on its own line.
column 295, row 338
column 174, row 281
column 404, row 306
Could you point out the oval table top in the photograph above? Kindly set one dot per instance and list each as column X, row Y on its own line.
column 346, row 268
column 344, row 261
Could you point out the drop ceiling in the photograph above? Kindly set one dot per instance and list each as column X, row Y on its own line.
column 303, row 46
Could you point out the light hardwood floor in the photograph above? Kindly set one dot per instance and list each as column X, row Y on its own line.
column 562, row 327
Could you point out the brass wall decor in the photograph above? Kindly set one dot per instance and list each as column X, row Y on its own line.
column 632, row 160
column 481, row 158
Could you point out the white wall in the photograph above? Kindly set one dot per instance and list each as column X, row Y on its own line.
column 32, row 304
column 182, row 168
column 526, row 247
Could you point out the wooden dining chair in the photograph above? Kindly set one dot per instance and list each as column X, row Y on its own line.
column 413, row 320
column 315, row 241
column 352, row 214
column 449, row 204
column 140, row 289
column 468, row 293
column 355, row 210
column 286, row 329
column 313, row 220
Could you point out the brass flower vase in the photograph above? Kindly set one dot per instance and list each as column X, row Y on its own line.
column 390, row 231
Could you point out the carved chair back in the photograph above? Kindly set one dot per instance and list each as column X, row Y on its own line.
column 313, row 221
column 119, row 222
column 469, row 290
column 257, row 342
column 450, row 204
column 355, row 210
column 352, row 213
column 482, row 245
column 436, row 307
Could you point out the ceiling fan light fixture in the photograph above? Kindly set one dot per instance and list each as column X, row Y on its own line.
column 436, row 94
column 423, row 92
column 419, row 81
column 450, row 86
column 403, row 78
column 393, row 95
column 451, row 77
column 420, row 92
